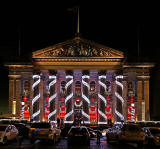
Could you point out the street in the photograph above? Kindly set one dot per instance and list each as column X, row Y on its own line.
column 62, row 144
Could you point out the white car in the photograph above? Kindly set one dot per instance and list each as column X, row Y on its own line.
column 44, row 131
column 7, row 132
column 131, row 133
column 152, row 135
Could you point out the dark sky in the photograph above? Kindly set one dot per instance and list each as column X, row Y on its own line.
column 117, row 25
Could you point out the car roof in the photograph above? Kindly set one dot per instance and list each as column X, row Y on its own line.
column 79, row 127
column 4, row 124
column 153, row 127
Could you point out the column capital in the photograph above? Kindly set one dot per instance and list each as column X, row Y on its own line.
column 143, row 77
column 14, row 76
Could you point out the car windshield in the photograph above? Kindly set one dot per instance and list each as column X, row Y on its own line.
column 40, row 125
column 2, row 128
column 155, row 131
column 130, row 128
column 78, row 130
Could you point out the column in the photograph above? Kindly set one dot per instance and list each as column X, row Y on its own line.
column 15, row 95
column 85, row 94
column 69, row 97
column 102, row 99
column 31, row 96
column 36, row 97
column 140, row 101
column 124, row 95
column 52, row 96
column 119, row 98
column 146, row 97
column 41, row 99
column 143, row 98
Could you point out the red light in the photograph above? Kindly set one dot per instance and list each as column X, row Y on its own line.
column 92, row 99
column 108, row 98
column 92, row 108
column 132, row 99
column 77, row 100
column 25, row 98
column 47, row 98
column 62, row 98
column 70, row 133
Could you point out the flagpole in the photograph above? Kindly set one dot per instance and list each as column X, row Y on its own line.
column 78, row 20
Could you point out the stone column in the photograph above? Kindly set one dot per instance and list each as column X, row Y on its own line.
column 69, row 97
column 41, row 99
column 15, row 94
column 36, row 97
column 52, row 96
column 146, row 96
column 143, row 98
column 85, row 95
column 140, row 101
column 124, row 95
column 31, row 96
column 120, row 100
column 102, row 98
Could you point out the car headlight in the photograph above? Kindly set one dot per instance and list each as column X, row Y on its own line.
column 157, row 137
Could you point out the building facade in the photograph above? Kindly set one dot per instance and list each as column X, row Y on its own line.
column 79, row 77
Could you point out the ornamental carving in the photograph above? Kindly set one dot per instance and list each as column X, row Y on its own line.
column 77, row 47
column 77, row 51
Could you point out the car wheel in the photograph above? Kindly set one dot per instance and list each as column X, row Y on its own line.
column 4, row 140
column 108, row 139
column 32, row 141
column 140, row 144
column 88, row 142
column 69, row 143
column 55, row 139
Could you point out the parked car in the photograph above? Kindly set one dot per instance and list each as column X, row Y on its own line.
column 92, row 132
column 105, row 131
column 152, row 135
column 131, row 133
column 78, row 135
column 7, row 133
column 23, row 130
column 112, row 133
column 44, row 131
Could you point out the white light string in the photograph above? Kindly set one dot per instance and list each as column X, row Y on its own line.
column 85, row 96
column 101, row 96
column 37, row 96
column 53, row 96
column 68, row 97
column 118, row 83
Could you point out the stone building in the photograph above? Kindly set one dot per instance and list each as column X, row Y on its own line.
column 81, row 78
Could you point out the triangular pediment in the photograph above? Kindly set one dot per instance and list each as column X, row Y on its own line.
column 77, row 48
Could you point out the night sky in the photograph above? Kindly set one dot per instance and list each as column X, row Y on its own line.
column 116, row 25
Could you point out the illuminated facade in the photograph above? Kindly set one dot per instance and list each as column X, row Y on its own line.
column 79, row 77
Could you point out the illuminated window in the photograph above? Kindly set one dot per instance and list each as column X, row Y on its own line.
column 63, row 83
column 14, row 107
column 92, row 86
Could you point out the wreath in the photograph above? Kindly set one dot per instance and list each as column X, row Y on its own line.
column 108, row 108
column 93, row 108
column 26, row 108
column 62, row 109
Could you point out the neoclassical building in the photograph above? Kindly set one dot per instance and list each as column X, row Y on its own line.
column 79, row 77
